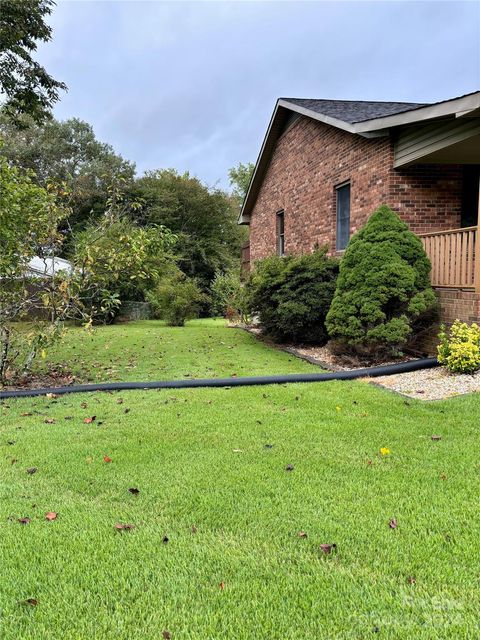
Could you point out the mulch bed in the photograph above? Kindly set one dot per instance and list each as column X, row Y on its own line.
column 426, row 384
column 54, row 378
column 323, row 356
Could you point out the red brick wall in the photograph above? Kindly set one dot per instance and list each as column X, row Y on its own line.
column 311, row 158
column 428, row 197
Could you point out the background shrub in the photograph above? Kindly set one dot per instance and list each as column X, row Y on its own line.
column 176, row 298
column 292, row 295
column 383, row 288
column 459, row 349
column 224, row 291
column 228, row 296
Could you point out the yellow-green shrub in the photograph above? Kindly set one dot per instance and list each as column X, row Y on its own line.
column 459, row 349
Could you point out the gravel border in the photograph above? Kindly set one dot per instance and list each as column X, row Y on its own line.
column 431, row 384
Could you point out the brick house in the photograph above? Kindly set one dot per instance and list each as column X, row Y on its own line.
column 326, row 165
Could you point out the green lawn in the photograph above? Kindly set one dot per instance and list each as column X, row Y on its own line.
column 198, row 459
column 151, row 351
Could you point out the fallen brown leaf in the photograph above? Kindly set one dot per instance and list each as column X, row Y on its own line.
column 393, row 523
column 194, row 529
column 32, row 602
column 49, row 420
column 222, row 585
column 435, row 438
column 411, row 580
column 51, row 515
column 134, row 491
column 328, row 548
column 302, row 534
column 107, row 459
column 32, row 470
column 89, row 420
column 23, row 520
column 124, row 527
column 166, row 635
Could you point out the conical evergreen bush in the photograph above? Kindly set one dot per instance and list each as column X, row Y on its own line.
column 383, row 288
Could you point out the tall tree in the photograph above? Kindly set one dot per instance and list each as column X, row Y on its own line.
column 27, row 86
column 204, row 219
column 240, row 177
column 66, row 152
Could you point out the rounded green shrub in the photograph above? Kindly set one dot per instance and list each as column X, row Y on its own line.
column 176, row 298
column 383, row 289
column 459, row 349
column 292, row 294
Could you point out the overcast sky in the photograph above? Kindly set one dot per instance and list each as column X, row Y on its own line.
column 192, row 85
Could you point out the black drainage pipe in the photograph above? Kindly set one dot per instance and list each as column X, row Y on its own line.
column 368, row 372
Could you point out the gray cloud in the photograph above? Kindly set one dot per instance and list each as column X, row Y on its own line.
column 192, row 85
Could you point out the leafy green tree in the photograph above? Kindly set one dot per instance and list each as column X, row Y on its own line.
column 29, row 219
column 115, row 259
column 204, row 220
column 27, row 86
column 240, row 177
column 67, row 152
column 383, row 289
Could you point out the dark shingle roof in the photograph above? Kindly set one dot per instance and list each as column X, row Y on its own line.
column 353, row 111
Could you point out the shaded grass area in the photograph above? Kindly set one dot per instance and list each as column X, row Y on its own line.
column 149, row 350
column 198, row 458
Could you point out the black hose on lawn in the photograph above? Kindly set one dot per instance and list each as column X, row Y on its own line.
column 368, row 372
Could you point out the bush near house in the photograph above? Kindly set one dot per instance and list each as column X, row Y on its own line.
column 292, row 295
column 383, row 289
column 459, row 349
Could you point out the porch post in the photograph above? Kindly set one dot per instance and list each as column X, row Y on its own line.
column 476, row 276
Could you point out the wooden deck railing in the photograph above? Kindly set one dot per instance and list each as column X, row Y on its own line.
column 452, row 254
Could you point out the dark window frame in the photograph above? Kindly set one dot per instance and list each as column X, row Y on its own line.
column 342, row 217
column 280, row 220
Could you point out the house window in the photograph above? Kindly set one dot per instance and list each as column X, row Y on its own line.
column 343, row 215
column 281, row 233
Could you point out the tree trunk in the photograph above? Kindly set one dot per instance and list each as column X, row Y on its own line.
column 4, row 347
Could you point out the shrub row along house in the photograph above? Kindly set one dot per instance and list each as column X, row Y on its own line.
column 326, row 165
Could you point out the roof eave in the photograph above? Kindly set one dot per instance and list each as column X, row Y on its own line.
column 458, row 107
